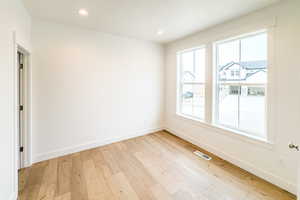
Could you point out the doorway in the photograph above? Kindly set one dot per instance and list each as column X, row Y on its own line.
column 21, row 89
column 23, row 106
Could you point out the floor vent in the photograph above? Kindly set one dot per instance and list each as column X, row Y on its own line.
column 202, row 155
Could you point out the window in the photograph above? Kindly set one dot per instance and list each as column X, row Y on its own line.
column 191, row 88
column 237, row 84
column 241, row 78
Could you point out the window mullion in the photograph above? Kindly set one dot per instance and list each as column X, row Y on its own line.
column 181, row 84
column 193, row 87
column 240, row 88
column 208, row 83
column 216, row 85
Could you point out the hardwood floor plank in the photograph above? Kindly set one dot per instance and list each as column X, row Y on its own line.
column 122, row 188
column 47, row 192
column 183, row 195
column 32, row 187
column 111, row 161
column 66, row 196
column 78, row 183
column 160, row 193
column 64, row 175
column 48, row 185
column 97, row 186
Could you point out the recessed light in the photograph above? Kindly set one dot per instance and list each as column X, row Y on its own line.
column 83, row 12
column 160, row 32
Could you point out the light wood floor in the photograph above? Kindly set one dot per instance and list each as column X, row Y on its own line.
column 159, row 166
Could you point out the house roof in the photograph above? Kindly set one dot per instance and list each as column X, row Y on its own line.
column 251, row 74
column 248, row 75
column 249, row 65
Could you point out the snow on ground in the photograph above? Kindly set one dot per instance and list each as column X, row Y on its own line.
column 252, row 113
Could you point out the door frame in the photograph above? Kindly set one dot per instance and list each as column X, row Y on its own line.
column 26, row 129
column 27, row 119
column 14, row 108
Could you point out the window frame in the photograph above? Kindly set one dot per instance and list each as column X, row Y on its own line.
column 215, row 120
column 180, row 84
column 271, row 98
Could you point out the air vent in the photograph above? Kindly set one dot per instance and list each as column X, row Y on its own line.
column 202, row 155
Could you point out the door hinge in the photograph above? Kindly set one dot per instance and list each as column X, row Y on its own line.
column 21, row 108
column 21, row 66
column 21, row 149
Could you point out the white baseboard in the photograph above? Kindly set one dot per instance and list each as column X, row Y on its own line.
column 242, row 164
column 94, row 144
column 14, row 196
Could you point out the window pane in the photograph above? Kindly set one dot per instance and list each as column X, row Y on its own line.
column 254, row 48
column 252, row 110
column 192, row 82
column 193, row 100
column 198, row 104
column 254, row 58
column 200, row 65
column 228, row 53
column 228, row 101
column 241, row 79
column 187, row 61
column 187, row 99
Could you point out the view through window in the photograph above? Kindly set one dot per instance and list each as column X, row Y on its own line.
column 192, row 82
column 241, row 84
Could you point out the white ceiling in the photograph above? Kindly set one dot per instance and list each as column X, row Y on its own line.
column 143, row 18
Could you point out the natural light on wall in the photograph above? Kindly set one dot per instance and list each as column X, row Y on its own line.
column 241, row 78
column 191, row 67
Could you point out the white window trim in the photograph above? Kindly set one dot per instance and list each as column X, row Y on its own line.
column 271, row 99
column 216, row 122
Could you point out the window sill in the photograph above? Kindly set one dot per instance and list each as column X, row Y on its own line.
column 230, row 132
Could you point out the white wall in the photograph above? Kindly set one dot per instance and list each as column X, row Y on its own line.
column 13, row 17
column 278, row 164
column 91, row 88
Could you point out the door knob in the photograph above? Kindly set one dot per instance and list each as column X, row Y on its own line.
column 292, row 146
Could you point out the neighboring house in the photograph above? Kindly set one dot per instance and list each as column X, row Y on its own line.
column 242, row 71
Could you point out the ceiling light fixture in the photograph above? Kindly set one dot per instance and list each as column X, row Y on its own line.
column 83, row 12
column 160, row 32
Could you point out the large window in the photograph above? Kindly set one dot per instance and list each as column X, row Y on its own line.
column 241, row 78
column 191, row 89
column 231, row 91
